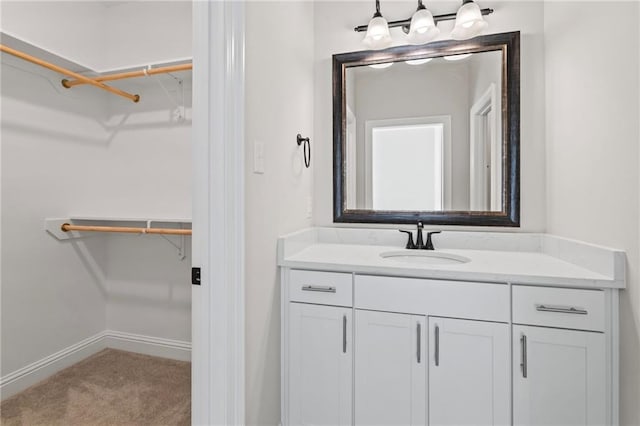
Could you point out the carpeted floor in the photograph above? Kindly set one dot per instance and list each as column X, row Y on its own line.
column 111, row 387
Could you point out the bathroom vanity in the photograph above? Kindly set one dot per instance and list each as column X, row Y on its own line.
column 489, row 328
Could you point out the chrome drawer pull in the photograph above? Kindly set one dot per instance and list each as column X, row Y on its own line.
column 419, row 343
column 561, row 309
column 523, row 355
column 344, row 334
column 436, row 355
column 323, row 289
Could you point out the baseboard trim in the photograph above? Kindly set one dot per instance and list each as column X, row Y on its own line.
column 35, row 372
column 155, row 346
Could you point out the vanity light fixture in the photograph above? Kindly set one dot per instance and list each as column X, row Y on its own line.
column 421, row 27
column 469, row 21
column 377, row 36
column 457, row 57
column 418, row 61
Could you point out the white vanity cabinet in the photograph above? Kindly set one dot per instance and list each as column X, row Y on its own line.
column 469, row 372
column 524, row 333
column 560, row 359
column 390, row 369
column 319, row 339
column 379, row 350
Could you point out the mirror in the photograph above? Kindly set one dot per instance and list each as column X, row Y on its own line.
column 428, row 133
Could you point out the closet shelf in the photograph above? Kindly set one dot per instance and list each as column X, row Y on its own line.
column 34, row 54
column 76, row 227
column 145, row 72
column 64, row 71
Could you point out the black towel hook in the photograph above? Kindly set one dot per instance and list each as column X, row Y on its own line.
column 307, row 149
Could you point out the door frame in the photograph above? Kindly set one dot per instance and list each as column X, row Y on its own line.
column 217, row 372
column 487, row 103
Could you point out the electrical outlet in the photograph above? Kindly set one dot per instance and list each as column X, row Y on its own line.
column 258, row 157
column 309, row 207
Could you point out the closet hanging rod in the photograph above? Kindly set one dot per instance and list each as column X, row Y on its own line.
column 141, row 73
column 66, row 227
column 56, row 68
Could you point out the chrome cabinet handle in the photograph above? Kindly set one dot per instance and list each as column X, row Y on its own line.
column 437, row 346
column 320, row 288
column 419, row 338
column 561, row 309
column 344, row 334
column 523, row 355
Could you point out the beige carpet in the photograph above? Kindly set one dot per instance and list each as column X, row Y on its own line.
column 109, row 388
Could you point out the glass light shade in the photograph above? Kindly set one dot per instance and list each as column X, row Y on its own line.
column 422, row 29
column 378, row 36
column 469, row 22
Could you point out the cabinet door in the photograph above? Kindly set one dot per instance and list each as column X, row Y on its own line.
column 469, row 372
column 390, row 377
column 559, row 377
column 320, row 365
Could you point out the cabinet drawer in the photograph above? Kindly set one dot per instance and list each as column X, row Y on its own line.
column 325, row 288
column 455, row 299
column 559, row 307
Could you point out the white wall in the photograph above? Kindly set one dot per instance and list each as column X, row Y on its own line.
column 150, row 32
column 53, row 294
column 85, row 152
column 333, row 29
column 72, row 29
column 103, row 35
column 279, row 104
column 592, row 115
column 147, row 174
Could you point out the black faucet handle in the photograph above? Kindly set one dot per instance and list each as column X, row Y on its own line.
column 429, row 245
column 410, row 245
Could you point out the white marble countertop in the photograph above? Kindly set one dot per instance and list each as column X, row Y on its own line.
column 515, row 258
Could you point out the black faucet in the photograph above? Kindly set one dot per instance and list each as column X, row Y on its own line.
column 419, row 244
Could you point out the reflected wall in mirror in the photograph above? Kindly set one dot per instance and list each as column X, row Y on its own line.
column 428, row 133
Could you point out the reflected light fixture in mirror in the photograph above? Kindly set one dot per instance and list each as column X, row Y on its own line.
column 457, row 57
column 418, row 61
column 469, row 21
column 381, row 66
column 377, row 36
column 422, row 29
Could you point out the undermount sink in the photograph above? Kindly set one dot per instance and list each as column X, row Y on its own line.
column 419, row 257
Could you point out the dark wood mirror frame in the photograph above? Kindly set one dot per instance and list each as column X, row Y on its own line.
column 509, row 44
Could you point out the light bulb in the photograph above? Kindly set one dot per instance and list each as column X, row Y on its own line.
column 422, row 29
column 469, row 21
